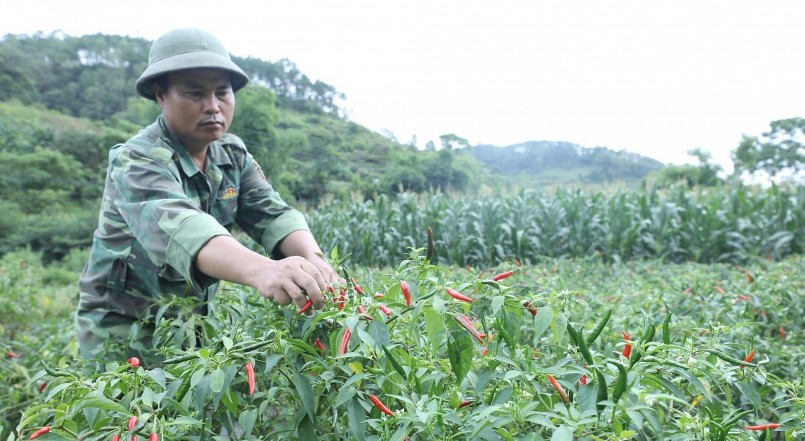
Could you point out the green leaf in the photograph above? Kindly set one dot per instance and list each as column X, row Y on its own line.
column 503, row 395
column 459, row 351
column 434, row 328
column 271, row 361
column 183, row 421
column 364, row 336
column 542, row 321
column 344, row 394
column 563, row 433
column 247, row 418
column 101, row 403
column 147, row 397
column 305, row 391
column 380, row 333
column 158, row 375
column 497, row 303
column 357, row 420
column 217, row 379
column 307, row 428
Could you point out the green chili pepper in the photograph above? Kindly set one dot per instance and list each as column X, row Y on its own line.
column 394, row 363
column 506, row 337
column 620, row 383
column 666, row 332
column 600, row 327
column 577, row 337
column 728, row 359
column 429, row 249
column 602, row 386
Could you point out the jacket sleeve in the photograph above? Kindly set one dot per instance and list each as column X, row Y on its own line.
column 160, row 215
column 262, row 213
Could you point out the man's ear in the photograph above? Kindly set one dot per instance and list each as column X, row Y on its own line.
column 159, row 93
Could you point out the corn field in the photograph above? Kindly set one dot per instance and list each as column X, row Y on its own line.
column 675, row 225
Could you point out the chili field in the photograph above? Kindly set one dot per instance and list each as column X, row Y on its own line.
column 421, row 345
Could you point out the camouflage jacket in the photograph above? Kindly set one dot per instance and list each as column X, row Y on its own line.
column 158, row 210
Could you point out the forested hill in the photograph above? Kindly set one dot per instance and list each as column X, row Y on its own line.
column 538, row 163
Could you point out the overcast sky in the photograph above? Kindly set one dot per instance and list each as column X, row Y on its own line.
column 656, row 78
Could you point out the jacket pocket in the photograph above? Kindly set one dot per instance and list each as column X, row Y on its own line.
column 118, row 274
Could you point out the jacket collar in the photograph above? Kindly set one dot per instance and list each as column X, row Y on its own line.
column 215, row 151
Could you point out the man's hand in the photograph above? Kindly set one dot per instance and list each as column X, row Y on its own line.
column 293, row 279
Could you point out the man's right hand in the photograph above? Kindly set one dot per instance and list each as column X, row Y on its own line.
column 291, row 280
column 286, row 281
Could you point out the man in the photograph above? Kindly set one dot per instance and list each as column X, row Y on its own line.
column 172, row 194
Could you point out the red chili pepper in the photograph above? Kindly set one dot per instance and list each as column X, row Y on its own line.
column 319, row 345
column 379, row 295
column 743, row 297
column 502, row 276
column 770, row 426
column 40, row 432
column 153, row 437
column 341, row 298
column 465, row 322
column 362, row 312
column 406, row 292
column 385, row 309
column 12, row 354
column 305, row 307
column 485, row 350
column 527, row 305
column 458, row 296
column 250, row 377
column 718, row 289
column 465, row 403
column 132, row 422
column 583, row 380
column 345, row 341
column 134, row 362
column 380, row 405
column 627, row 349
column 748, row 358
column 43, row 386
column 115, row 437
column 782, row 333
column 558, row 388
column 358, row 289
column 749, row 277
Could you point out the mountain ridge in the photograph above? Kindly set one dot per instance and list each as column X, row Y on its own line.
column 562, row 161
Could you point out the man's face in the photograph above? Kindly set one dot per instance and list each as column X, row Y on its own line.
column 198, row 106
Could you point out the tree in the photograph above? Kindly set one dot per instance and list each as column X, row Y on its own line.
column 705, row 174
column 777, row 150
column 452, row 141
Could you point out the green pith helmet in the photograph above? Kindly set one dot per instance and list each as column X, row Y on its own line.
column 183, row 49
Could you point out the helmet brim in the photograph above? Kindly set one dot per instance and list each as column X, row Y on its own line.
column 189, row 61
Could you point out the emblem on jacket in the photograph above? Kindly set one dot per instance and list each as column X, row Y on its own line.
column 230, row 192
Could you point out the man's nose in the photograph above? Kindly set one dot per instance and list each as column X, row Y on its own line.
column 212, row 104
